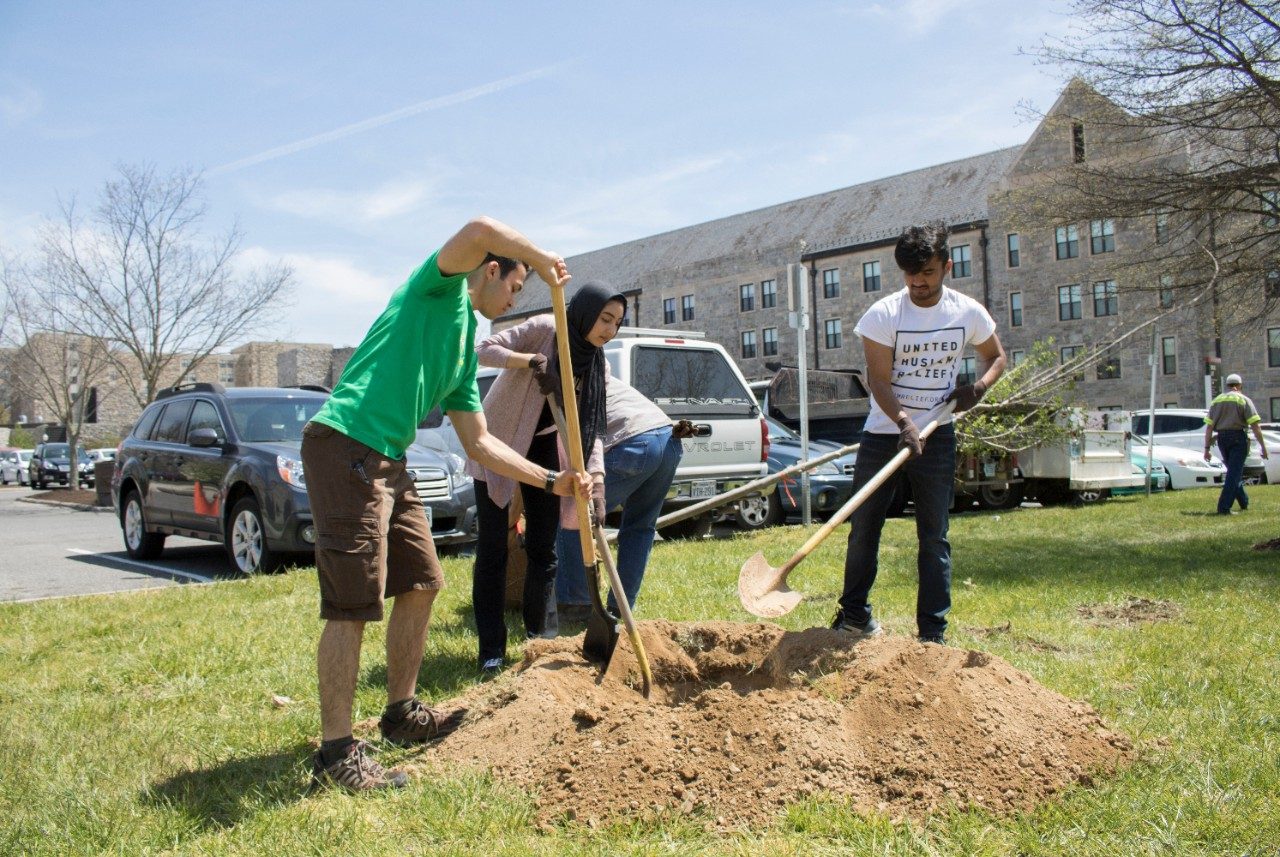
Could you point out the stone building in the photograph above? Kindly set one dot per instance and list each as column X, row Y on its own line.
column 1064, row 285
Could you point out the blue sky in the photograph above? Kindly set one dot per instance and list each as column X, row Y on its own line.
column 350, row 140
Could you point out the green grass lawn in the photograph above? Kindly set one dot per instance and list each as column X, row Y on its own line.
column 143, row 723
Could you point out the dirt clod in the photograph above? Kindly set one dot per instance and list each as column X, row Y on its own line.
column 746, row 719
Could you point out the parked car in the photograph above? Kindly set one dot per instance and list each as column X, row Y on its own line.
column 1271, row 465
column 1159, row 476
column 50, row 464
column 13, row 466
column 830, row 484
column 1184, row 427
column 1186, row 469
column 224, row 465
column 102, row 453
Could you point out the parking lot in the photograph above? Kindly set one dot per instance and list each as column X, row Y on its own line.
column 52, row 551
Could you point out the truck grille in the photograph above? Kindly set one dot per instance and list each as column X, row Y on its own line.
column 431, row 483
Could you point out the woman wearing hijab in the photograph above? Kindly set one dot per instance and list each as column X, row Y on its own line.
column 517, row 413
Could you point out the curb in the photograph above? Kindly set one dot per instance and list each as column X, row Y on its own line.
column 80, row 507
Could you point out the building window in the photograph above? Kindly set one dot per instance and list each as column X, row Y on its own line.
column 1162, row 227
column 831, row 283
column 668, row 310
column 1168, row 356
column 961, row 263
column 871, row 276
column 1273, row 347
column 686, row 308
column 1015, row 309
column 1275, row 411
column 1069, row 353
column 1014, row 245
column 747, row 297
column 1166, row 291
column 1077, row 142
column 1109, row 368
column 770, row 341
column 1069, row 303
column 748, row 344
column 1017, row 356
column 1271, row 286
column 967, row 372
column 1271, row 208
column 1106, row 299
column 1068, row 241
column 833, row 332
column 768, row 294
column 1102, row 236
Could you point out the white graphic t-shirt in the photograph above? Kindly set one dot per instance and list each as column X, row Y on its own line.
column 927, row 343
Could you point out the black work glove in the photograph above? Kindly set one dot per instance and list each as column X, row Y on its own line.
column 538, row 363
column 597, row 506
column 909, row 437
column 683, row 429
column 967, row 396
column 547, row 378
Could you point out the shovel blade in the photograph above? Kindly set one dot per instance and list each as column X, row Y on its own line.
column 763, row 591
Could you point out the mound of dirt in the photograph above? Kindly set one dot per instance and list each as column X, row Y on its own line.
column 745, row 719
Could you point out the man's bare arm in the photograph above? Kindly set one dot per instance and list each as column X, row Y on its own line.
column 879, row 372
column 466, row 250
column 495, row 455
column 991, row 361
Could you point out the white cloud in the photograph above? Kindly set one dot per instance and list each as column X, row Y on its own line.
column 18, row 104
column 392, row 199
column 386, row 118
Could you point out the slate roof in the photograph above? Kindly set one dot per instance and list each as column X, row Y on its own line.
column 878, row 210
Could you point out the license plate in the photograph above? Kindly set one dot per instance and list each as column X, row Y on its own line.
column 702, row 489
column 989, row 469
column 427, row 509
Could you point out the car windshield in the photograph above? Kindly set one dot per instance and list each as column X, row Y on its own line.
column 264, row 420
column 690, row 382
column 56, row 450
column 778, row 430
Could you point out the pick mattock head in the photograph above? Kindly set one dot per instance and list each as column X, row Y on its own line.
column 763, row 591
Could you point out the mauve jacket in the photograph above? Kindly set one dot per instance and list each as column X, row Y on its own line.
column 514, row 404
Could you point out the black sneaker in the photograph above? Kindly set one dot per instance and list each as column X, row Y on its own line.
column 356, row 772
column 419, row 725
column 869, row 628
column 933, row 638
column 492, row 668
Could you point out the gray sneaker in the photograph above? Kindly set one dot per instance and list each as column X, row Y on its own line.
column 869, row 628
column 356, row 772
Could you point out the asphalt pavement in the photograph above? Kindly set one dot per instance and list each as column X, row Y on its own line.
column 52, row 551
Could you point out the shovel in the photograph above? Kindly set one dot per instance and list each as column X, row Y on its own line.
column 763, row 589
column 602, row 632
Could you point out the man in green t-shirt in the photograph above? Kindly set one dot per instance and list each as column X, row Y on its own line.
column 372, row 537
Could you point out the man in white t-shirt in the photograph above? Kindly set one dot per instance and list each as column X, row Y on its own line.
column 914, row 340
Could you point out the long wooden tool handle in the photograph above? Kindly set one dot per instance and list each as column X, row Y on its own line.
column 859, row 498
column 624, row 609
column 750, row 487
column 574, row 439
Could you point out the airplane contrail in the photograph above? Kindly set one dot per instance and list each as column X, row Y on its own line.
column 386, row 118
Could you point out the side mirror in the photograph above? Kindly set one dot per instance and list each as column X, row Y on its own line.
column 203, row 438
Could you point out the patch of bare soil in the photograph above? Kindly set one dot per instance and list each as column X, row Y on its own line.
column 66, row 495
column 1022, row 641
column 1273, row 545
column 745, row 719
column 1131, row 611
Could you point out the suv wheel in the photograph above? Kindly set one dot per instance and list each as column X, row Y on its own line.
column 690, row 528
column 751, row 513
column 137, row 541
column 247, row 540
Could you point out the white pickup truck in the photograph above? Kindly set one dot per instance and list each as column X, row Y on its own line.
column 1085, row 464
column 693, row 379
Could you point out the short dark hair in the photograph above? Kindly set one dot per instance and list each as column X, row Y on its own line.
column 919, row 245
column 505, row 265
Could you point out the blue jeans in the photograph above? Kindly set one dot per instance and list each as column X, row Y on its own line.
column 931, row 477
column 637, row 475
column 1233, row 446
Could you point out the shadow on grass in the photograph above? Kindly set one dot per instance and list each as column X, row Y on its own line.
column 443, row 673
column 223, row 795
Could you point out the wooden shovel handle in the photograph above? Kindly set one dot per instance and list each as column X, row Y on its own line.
column 574, row 440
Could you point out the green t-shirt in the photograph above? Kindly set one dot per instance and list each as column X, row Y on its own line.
column 418, row 354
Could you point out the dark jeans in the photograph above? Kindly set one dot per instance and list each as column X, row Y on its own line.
column 489, row 574
column 930, row 477
column 637, row 475
column 1233, row 446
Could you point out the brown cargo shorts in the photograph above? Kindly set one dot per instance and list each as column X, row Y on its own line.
column 372, row 537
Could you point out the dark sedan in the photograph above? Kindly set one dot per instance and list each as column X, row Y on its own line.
column 830, row 484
